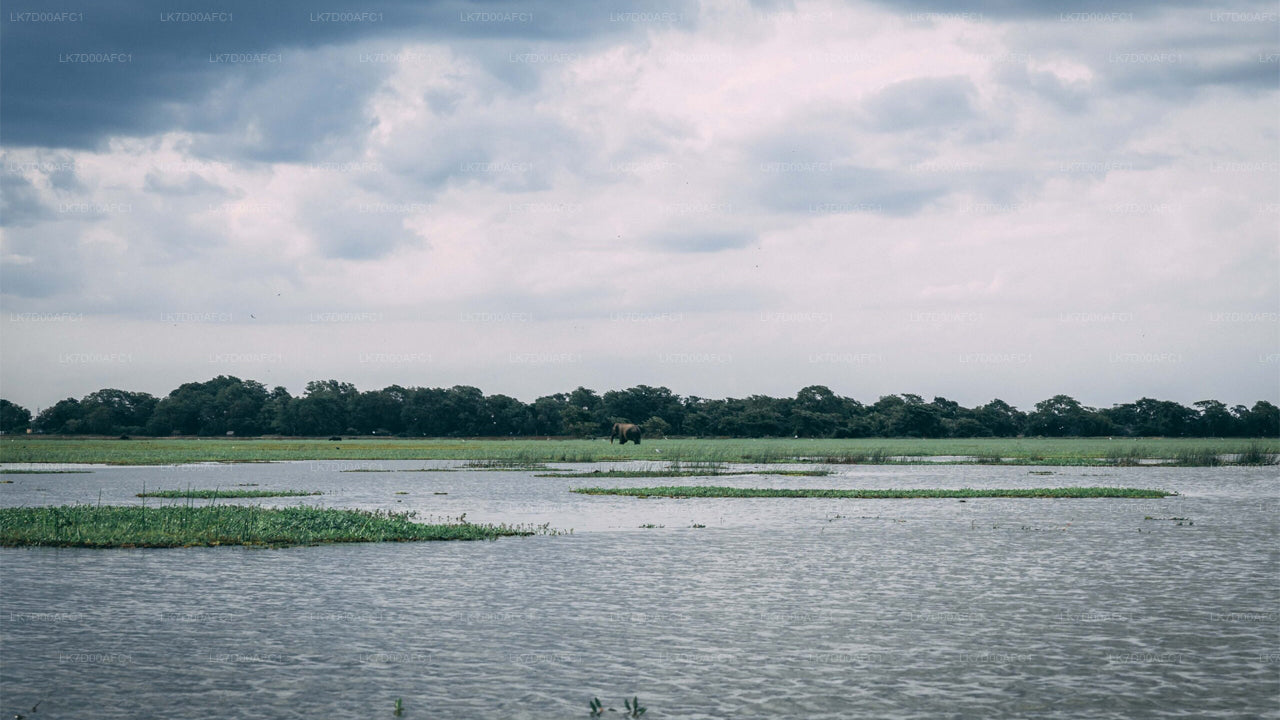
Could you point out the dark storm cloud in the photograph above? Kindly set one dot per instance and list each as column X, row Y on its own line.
column 136, row 68
column 1021, row 10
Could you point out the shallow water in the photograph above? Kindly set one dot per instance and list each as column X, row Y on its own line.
column 806, row 608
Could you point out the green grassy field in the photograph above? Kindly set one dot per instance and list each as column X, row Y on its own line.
column 732, row 492
column 185, row 526
column 1042, row 451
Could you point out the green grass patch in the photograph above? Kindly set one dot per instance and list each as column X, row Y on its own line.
column 681, row 473
column 186, row 526
column 44, row 472
column 375, row 470
column 220, row 494
column 504, row 464
column 732, row 492
column 524, row 453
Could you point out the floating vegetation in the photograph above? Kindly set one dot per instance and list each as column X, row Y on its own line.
column 186, row 525
column 504, row 464
column 684, row 471
column 44, row 472
column 220, row 494
column 397, row 470
column 633, row 707
column 732, row 492
column 1178, row 520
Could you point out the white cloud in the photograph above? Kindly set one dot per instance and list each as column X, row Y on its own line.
column 891, row 196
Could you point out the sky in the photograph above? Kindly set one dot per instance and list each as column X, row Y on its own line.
column 974, row 201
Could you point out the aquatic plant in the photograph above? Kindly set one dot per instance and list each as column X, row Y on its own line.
column 632, row 704
column 220, row 494
column 678, row 472
column 44, row 472
column 188, row 525
column 732, row 492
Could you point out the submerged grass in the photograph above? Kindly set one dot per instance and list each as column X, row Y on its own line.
column 186, row 526
column 504, row 464
column 732, row 492
column 529, row 452
column 219, row 494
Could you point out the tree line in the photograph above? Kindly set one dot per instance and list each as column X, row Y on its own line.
column 227, row 405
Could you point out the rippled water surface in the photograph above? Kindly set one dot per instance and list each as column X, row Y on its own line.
column 778, row 608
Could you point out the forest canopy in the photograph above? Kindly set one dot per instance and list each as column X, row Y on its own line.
column 227, row 405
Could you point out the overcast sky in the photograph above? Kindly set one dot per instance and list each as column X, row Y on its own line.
column 1008, row 200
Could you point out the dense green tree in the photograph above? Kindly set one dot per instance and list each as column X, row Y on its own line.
column 1262, row 420
column 379, row 411
column 507, row 416
column 325, row 408
column 641, row 402
column 1214, row 420
column 583, row 414
column 226, row 404
column 63, row 417
column 13, row 417
column 1063, row 415
column 548, row 414
column 655, row 428
column 110, row 411
column 1000, row 418
column 422, row 414
column 817, row 412
column 1152, row 418
column 214, row 407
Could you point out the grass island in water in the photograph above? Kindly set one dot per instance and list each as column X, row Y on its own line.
column 187, row 526
column 222, row 494
column 732, row 492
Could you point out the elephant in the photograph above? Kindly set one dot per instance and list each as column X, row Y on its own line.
column 625, row 431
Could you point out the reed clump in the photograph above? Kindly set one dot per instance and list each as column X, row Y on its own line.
column 224, row 494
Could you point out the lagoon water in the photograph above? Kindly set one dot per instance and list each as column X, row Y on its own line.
column 778, row 608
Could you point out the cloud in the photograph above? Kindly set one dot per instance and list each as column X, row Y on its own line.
column 648, row 182
column 141, row 67
column 921, row 104
column 703, row 242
